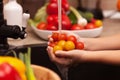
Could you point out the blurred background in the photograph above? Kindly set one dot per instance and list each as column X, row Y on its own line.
column 33, row 5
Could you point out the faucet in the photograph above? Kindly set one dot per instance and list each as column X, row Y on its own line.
column 8, row 31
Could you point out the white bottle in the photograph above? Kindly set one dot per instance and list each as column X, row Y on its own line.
column 13, row 13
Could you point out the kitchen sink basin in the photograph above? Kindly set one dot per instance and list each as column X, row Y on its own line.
column 82, row 71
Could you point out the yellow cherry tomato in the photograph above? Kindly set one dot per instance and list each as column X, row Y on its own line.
column 98, row 23
column 69, row 45
column 61, row 43
column 57, row 47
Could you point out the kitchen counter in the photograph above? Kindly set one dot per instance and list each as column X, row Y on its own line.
column 110, row 27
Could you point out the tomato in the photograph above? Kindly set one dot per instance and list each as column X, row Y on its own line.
column 98, row 23
column 57, row 47
column 93, row 20
column 90, row 26
column 79, row 45
column 52, row 44
column 65, row 5
column 53, row 1
column 66, row 23
column 61, row 43
column 50, row 19
column 77, row 27
column 55, row 36
column 42, row 26
column 69, row 45
column 72, row 38
column 51, row 27
column 62, row 36
column 52, row 8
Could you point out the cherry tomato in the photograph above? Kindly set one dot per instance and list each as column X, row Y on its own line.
column 51, row 27
column 50, row 19
column 42, row 26
column 79, row 45
column 77, row 27
column 66, row 23
column 55, row 36
column 72, row 38
column 52, row 44
column 93, row 20
column 62, row 36
column 98, row 23
column 57, row 47
column 52, row 8
column 61, row 43
column 90, row 26
column 69, row 45
column 65, row 5
column 53, row 1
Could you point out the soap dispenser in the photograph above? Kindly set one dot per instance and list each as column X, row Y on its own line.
column 13, row 13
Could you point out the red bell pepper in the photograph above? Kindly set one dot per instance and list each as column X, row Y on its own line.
column 7, row 72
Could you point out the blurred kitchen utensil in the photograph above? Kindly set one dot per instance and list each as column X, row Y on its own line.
column 91, row 6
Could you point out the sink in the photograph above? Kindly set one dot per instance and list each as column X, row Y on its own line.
column 83, row 71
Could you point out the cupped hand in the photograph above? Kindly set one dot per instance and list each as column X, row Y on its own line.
column 65, row 57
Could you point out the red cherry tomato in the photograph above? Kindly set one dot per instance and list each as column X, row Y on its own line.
column 55, row 36
column 62, row 36
column 77, row 27
column 65, row 5
column 66, row 23
column 52, row 8
column 51, row 27
column 72, row 38
column 93, row 20
column 53, row 1
column 79, row 45
column 50, row 19
column 42, row 26
column 90, row 26
column 52, row 44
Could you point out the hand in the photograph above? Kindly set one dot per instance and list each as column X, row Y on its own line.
column 65, row 57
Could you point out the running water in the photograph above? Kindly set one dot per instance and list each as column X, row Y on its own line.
column 63, row 70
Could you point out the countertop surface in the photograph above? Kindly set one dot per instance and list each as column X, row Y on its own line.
column 110, row 27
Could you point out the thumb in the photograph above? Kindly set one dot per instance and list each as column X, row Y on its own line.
column 62, row 54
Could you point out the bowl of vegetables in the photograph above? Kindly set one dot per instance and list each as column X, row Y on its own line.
column 46, row 21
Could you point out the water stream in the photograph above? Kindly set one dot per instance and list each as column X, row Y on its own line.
column 63, row 70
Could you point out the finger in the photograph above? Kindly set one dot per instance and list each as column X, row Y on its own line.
column 50, row 52
column 65, row 62
column 63, row 54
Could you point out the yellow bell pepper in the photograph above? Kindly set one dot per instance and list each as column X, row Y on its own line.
column 16, row 63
